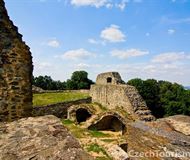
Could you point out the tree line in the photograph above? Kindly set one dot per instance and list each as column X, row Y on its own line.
column 162, row 97
column 78, row 80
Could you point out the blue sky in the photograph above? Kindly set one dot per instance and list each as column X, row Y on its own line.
column 138, row 38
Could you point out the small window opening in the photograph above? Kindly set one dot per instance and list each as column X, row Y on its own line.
column 109, row 80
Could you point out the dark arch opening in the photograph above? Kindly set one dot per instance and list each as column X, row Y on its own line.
column 109, row 80
column 109, row 123
column 124, row 146
column 82, row 115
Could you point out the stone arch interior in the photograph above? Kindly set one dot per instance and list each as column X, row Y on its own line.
column 124, row 146
column 82, row 115
column 109, row 123
column 109, row 80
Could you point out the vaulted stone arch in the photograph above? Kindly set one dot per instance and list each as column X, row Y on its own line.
column 109, row 121
column 80, row 113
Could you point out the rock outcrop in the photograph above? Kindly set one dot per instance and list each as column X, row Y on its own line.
column 36, row 89
column 15, row 71
column 160, row 140
column 40, row 138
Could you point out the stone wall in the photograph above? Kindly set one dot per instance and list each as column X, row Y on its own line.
column 120, row 95
column 109, row 78
column 58, row 109
column 15, row 71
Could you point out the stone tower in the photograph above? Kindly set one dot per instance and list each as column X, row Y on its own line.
column 15, row 71
column 111, row 91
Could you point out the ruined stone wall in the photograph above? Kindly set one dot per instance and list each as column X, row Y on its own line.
column 58, row 109
column 112, row 96
column 15, row 71
column 114, row 77
column 122, row 96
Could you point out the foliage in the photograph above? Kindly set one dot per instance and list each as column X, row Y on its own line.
column 162, row 97
column 47, row 83
column 52, row 98
column 79, row 80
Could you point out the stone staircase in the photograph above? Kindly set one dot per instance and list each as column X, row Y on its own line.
column 139, row 106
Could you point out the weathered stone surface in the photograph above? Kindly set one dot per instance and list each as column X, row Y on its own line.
column 157, row 140
column 116, row 94
column 15, row 71
column 109, row 78
column 180, row 123
column 40, row 138
column 37, row 89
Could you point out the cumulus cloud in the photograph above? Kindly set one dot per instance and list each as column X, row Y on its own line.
column 77, row 54
column 171, row 31
column 125, row 54
column 170, row 57
column 53, row 43
column 93, row 41
column 121, row 5
column 113, row 34
column 94, row 3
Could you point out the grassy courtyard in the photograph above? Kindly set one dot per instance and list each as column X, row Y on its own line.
column 52, row 98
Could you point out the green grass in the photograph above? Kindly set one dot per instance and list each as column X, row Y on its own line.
column 52, row 98
column 95, row 133
column 67, row 122
column 96, row 148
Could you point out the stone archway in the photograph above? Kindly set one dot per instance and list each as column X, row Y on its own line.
column 79, row 113
column 110, row 122
column 124, row 146
column 82, row 115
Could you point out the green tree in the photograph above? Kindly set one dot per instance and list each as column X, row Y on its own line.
column 162, row 97
column 79, row 80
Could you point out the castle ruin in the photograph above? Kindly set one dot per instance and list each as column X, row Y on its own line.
column 111, row 92
column 15, row 71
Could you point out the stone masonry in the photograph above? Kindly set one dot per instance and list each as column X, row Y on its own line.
column 111, row 92
column 15, row 71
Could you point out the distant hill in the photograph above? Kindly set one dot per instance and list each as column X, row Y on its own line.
column 187, row 87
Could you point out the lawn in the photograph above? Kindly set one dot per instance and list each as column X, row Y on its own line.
column 52, row 98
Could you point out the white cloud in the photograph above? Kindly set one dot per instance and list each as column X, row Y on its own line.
column 170, row 57
column 122, row 5
column 42, row 65
column 113, row 34
column 124, row 54
column 109, row 5
column 77, row 54
column 171, row 31
column 93, row 41
column 94, row 3
column 53, row 43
